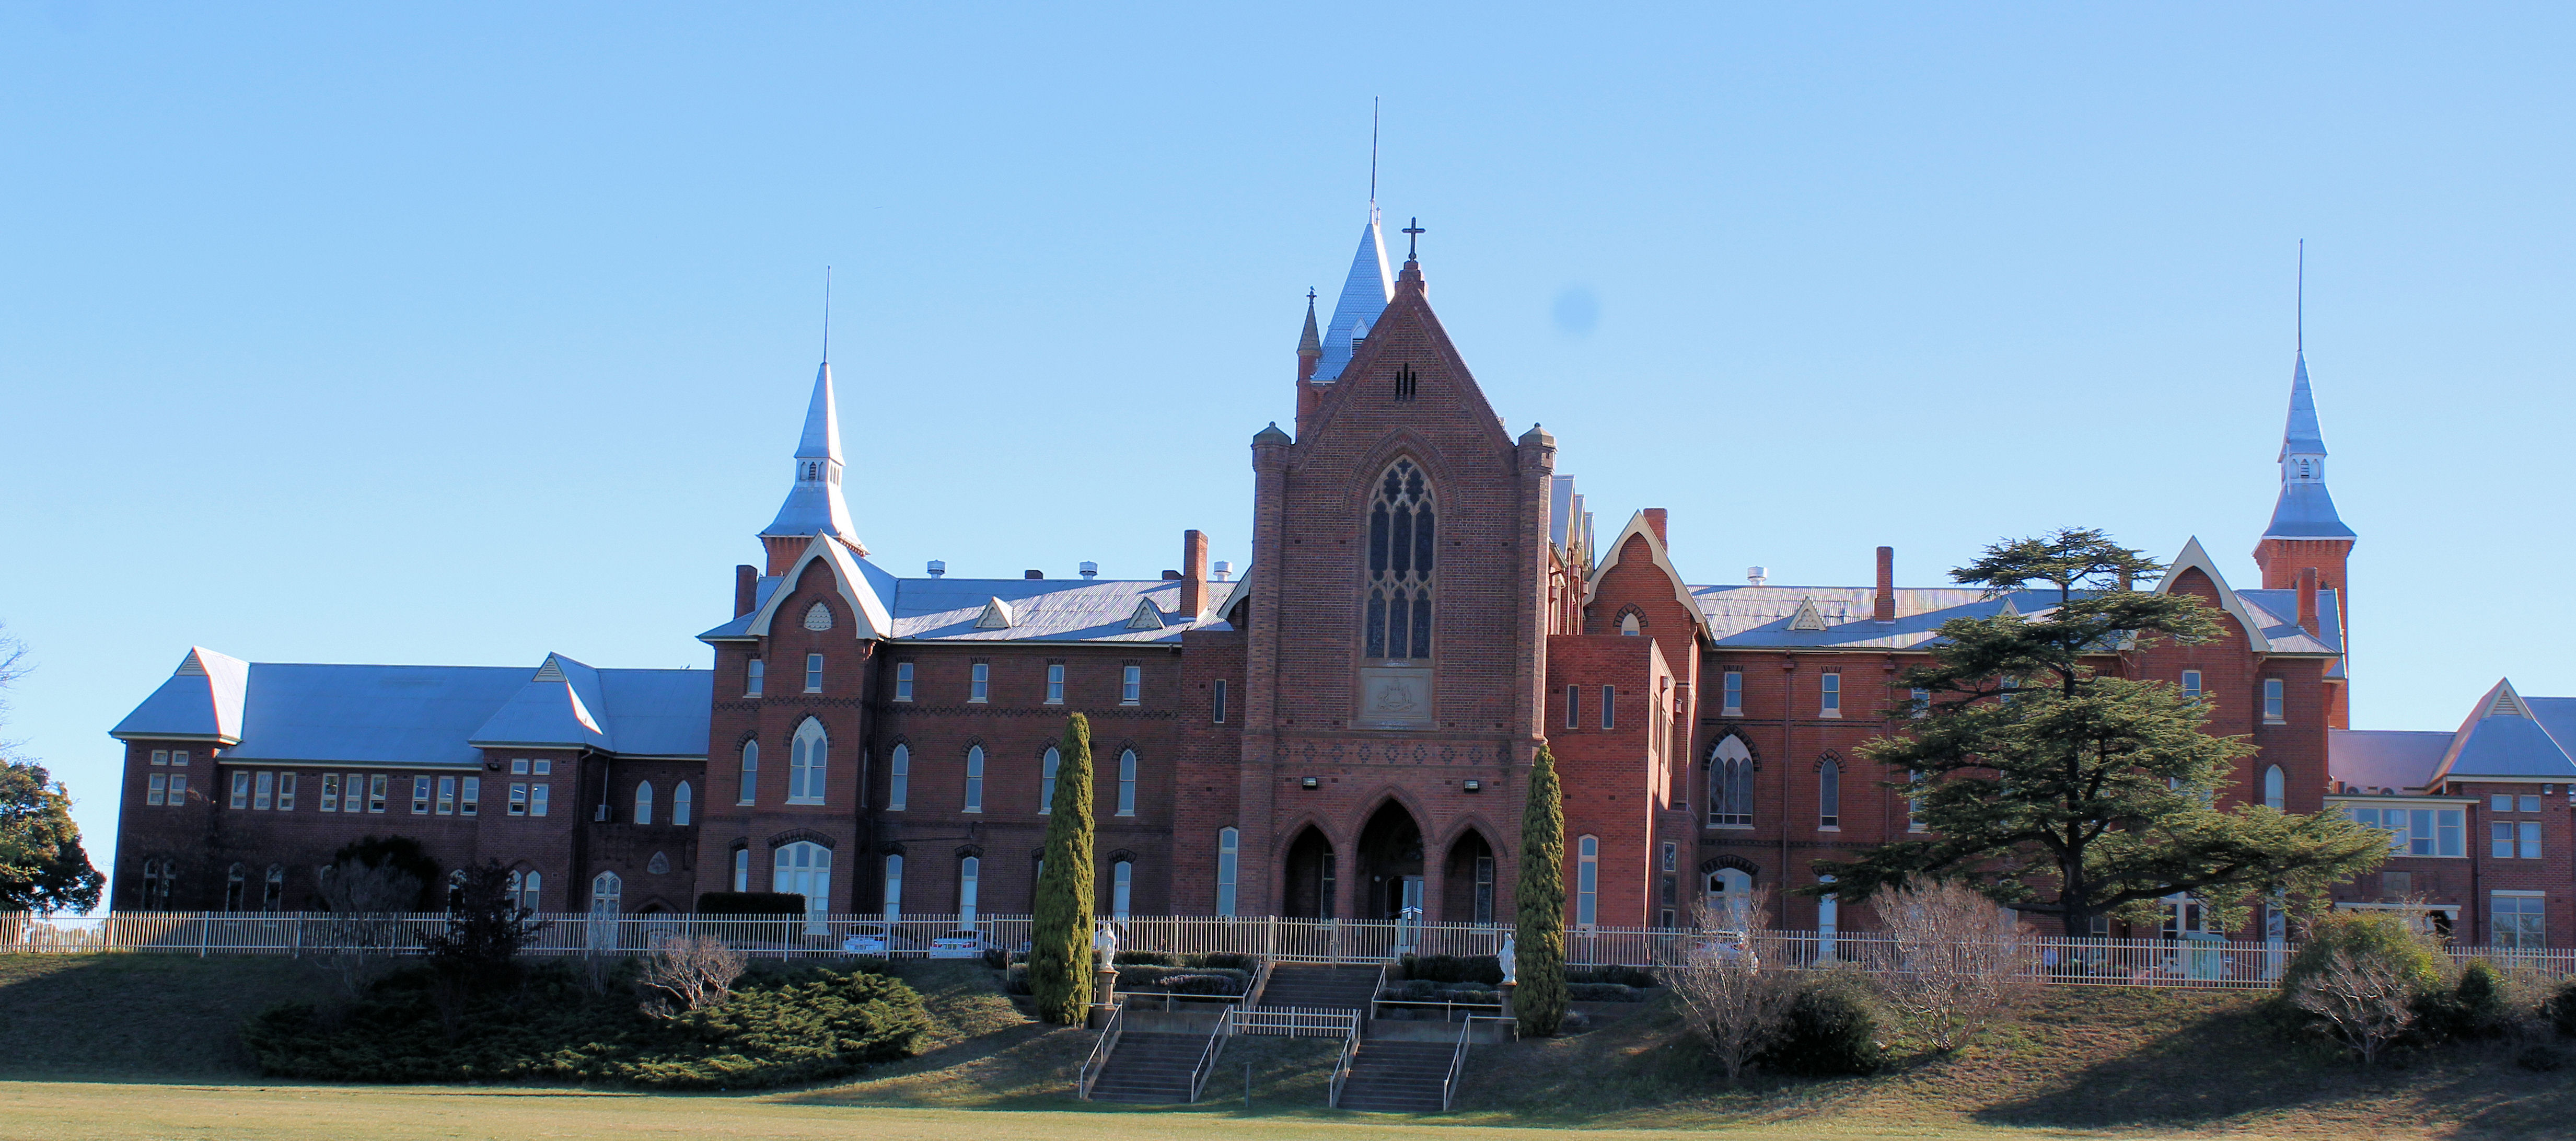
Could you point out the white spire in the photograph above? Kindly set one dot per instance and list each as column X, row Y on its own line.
column 814, row 505
column 1365, row 293
column 2305, row 510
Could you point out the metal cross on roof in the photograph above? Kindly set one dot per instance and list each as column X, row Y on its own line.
column 1413, row 240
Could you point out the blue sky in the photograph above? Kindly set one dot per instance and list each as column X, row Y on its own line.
column 460, row 334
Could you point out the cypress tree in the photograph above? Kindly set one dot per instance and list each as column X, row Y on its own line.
column 1539, row 1001
column 1060, row 940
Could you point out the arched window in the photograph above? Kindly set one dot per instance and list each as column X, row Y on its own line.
column 1730, row 898
column 1829, row 794
column 607, row 894
column 1046, row 780
column 272, row 894
column 806, row 762
column 750, row 771
column 151, row 882
column 742, row 869
column 644, row 802
column 233, row 888
column 893, row 886
column 804, row 868
column 974, row 778
column 898, row 778
column 2275, row 788
column 1127, row 782
column 1629, row 626
column 1229, row 846
column 1122, row 887
column 680, row 804
column 970, row 871
column 1587, row 881
column 1730, row 784
column 531, row 890
column 1396, row 619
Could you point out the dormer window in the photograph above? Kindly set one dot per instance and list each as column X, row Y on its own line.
column 1397, row 613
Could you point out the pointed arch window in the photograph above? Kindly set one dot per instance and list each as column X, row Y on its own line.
column 680, row 804
column 272, row 893
column 750, row 771
column 644, row 802
column 1829, row 793
column 607, row 894
column 1396, row 620
column 805, row 763
column 1047, row 766
column 974, row 778
column 2275, row 788
column 899, row 778
column 1730, row 784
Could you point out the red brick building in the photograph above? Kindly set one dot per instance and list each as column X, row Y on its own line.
column 1343, row 730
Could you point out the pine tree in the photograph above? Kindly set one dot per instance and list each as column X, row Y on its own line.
column 1539, row 999
column 2060, row 787
column 1060, row 939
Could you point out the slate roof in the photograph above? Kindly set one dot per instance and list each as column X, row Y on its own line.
column 1759, row 617
column 2396, row 760
column 2506, row 736
column 1365, row 292
column 426, row 716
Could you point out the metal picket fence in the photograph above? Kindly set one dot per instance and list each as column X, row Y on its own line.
column 2194, row 962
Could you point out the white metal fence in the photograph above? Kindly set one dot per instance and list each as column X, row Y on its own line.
column 2199, row 962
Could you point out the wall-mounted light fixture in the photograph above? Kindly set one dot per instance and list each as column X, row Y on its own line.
column 1309, row 782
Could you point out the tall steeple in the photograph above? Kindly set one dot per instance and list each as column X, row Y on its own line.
column 814, row 505
column 1365, row 292
column 2306, row 534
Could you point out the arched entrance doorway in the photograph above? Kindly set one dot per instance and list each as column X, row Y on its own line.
column 1467, row 881
column 1390, row 864
column 1309, row 889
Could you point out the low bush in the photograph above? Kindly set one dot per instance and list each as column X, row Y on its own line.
column 2364, row 936
column 1426, row 990
column 1603, row 992
column 2473, row 1008
column 1146, row 958
column 778, row 1027
column 1486, row 969
column 1620, row 975
column 1206, row 980
column 2561, row 1010
column 1831, row 1030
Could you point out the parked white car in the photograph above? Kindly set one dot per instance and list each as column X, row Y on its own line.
column 960, row 945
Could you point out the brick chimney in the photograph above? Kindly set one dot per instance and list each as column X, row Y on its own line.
column 746, row 588
column 2308, row 599
column 1655, row 519
column 1194, row 574
column 1886, row 609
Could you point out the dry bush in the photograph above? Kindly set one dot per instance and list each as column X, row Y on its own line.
column 366, row 902
column 693, row 973
column 2361, row 1001
column 1957, row 961
column 1734, row 999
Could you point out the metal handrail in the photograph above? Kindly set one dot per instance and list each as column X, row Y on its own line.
column 1098, row 1062
column 1342, row 1065
column 1199, row 1074
column 1260, row 981
column 1457, row 1065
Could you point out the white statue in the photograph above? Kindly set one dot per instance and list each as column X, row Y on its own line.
column 1511, row 957
column 1105, row 941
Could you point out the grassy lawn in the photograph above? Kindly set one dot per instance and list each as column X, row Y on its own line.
column 137, row 1046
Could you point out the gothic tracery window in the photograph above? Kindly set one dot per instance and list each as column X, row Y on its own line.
column 1400, row 556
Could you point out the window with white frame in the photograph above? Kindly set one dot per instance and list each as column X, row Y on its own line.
column 753, row 674
column 750, row 784
column 469, row 795
column 644, row 802
column 263, row 791
column 160, row 756
column 1730, row 784
column 804, row 868
column 970, row 874
column 530, row 889
column 1131, row 685
column 893, row 886
column 376, row 789
column 1831, row 702
column 742, row 869
column 518, row 798
column 1047, row 765
column 808, row 760
column 979, row 682
column 241, row 789
column 2519, row 920
column 2191, row 685
column 157, row 789
column 1829, row 794
column 1127, row 782
column 903, row 681
column 2276, row 788
column 1731, row 704
column 2273, row 713
column 1587, row 880
column 680, row 804
column 286, row 792
column 447, row 796
column 1229, row 845
column 974, row 778
column 898, row 778
column 607, row 894
column 537, row 799
column 813, row 673
column 420, row 786
column 1055, row 683
column 1122, row 888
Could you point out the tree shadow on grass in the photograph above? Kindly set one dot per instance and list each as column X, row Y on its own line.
column 139, row 1017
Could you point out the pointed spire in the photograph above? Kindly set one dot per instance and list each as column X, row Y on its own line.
column 2305, row 510
column 1310, row 344
column 814, row 505
column 1365, row 292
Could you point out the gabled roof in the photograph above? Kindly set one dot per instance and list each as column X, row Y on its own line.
column 1365, row 292
column 202, row 701
column 861, row 584
column 1655, row 553
column 429, row 716
column 2503, row 739
column 2194, row 557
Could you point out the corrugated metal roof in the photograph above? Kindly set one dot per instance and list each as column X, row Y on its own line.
column 2503, row 737
column 1759, row 617
column 1043, row 610
column 2399, row 760
column 428, row 716
column 1365, row 292
column 202, row 700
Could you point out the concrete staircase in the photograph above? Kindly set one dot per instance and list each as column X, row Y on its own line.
column 1397, row 1077
column 1154, row 1069
column 1319, row 987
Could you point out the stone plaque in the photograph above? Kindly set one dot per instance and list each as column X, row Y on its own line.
column 1395, row 697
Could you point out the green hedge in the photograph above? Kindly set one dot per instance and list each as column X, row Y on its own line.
column 778, row 1028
